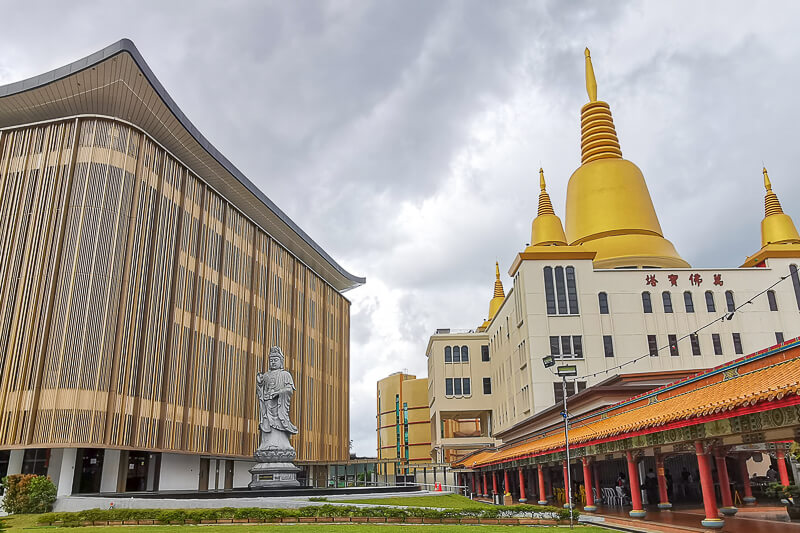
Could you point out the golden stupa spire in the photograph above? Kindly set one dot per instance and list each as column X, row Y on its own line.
column 545, row 206
column 777, row 227
column 591, row 82
column 498, row 285
column 609, row 209
column 772, row 206
column 497, row 300
column 598, row 136
column 546, row 228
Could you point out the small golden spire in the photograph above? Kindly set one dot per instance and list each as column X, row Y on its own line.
column 772, row 206
column 545, row 206
column 498, row 285
column 591, row 82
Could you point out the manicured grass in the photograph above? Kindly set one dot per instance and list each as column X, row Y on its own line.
column 309, row 528
column 20, row 521
column 444, row 501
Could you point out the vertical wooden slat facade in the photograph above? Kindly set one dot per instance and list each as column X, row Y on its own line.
column 137, row 304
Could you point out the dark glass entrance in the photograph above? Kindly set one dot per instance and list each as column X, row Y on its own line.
column 88, row 470
column 143, row 471
column 35, row 461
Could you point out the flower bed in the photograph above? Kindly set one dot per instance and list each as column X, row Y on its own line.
column 525, row 514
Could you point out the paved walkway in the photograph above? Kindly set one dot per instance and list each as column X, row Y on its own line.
column 80, row 503
column 684, row 520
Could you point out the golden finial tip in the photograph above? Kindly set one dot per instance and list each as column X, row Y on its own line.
column 497, row 269
column 767, row 184
column 591, row 82
column 541, row 179
column 587, row 53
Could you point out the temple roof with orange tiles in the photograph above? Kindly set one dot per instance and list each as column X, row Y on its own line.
column 766, row 380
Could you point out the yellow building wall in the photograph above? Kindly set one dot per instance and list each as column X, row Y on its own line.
column 392, row 393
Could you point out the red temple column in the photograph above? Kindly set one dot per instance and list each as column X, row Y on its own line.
column 712, row 519
column 542, row 490
column 587, row 483
column 780, row 454
column 663, row 493
column 522, row 498
column 724, row 484
column 494, row 482
column 485, row 488
column 748, row 490
column 472, row 482
column 636, row 489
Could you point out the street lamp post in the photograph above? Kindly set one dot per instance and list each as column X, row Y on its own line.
column 564, row 371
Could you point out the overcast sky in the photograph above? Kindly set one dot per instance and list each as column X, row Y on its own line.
column 405, row 137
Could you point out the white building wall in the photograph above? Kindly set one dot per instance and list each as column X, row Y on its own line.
column 241, row 476
column 629, row 326
column 179, row 472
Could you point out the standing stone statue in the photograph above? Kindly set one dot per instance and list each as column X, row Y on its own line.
column 274, row 454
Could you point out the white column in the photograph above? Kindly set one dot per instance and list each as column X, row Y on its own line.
column 110, row 475
column 54, row 464
column 15, row 462
column 67, row 473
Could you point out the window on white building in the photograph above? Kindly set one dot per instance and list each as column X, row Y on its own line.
column 602, row 299
column 717, row 343
column 737, row 343
column 666, row 298
column 647, row 305
column 673, row 345
column 688, row 302
column 730, row 301
column 710, row 307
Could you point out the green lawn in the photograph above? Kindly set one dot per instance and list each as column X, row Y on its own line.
column 445, row 501
column 27, row 522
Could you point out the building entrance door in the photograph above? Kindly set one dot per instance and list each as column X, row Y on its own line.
column 143, row 471
column 88, row 469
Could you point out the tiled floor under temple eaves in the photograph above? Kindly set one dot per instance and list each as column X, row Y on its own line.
column 688, row 519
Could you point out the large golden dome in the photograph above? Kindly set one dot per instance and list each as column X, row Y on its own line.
column 609, row 209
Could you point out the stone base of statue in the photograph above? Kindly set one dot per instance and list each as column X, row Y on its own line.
column 272, row 475
column 274, row 469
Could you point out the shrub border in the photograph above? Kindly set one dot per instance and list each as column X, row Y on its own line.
column 517, row 515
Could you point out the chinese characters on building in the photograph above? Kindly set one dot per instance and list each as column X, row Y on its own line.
column 695, row 280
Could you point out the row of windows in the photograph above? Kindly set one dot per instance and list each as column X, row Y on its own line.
column 694, row 340
column 456, row 354
column 561, row 293
column 566, row 346
column 460, row 354
column 457, row 387
column 571, row 346
column 558, row 389
column 462, row 386
column 688, row 302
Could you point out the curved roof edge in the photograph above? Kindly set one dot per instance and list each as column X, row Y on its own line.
column 126, row 45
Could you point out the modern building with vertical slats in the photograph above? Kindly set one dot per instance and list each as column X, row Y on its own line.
column 144, row 278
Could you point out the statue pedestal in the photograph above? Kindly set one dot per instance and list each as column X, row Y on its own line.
column 271, row 475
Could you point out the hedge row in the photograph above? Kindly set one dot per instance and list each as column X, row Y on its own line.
column 329, row 513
